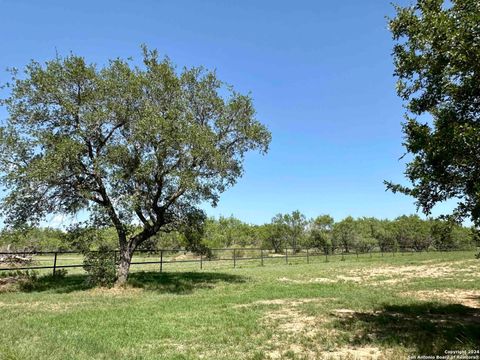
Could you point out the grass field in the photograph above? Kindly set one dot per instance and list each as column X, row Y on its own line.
column 370, row 307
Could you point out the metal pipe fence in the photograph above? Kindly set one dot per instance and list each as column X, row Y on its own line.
column 55, row 260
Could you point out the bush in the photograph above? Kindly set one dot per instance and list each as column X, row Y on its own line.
column 27, row 280
column 100, row 266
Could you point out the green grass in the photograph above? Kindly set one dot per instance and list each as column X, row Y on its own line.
column 389, row 306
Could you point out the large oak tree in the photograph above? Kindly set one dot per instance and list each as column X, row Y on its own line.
column 131, row 144
column 437, row 62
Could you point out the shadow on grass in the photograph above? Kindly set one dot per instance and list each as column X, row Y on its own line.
column 428, row 328
column 177, row 283
column 181, row 282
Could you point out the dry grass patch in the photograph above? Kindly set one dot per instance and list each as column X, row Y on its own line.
column 395, row 274
column 351, row 353
column 126, row 291
column 284, row 302
column 43, row 306
column 400, row 274
column 308, row 281
column 469, row 298
column 297, row 334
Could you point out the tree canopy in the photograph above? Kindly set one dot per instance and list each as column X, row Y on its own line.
column 437, row 62
column 129, row 144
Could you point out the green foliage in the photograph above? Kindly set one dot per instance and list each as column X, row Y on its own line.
column 412, row 233
column 272, row 236
column 100, row 266
column 125, row 143
column 84, row 238
column 291, row 229
column 32, row 239
column 436, row 57
column 27, row 280
column 228, row 232
column 408, row 233
column 366, row 229
column 345, row 236
column 321, row 232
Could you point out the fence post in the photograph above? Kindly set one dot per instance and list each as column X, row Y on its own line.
column 55, row 264
column 326, row 255
column 234, row 258
column 343, row 257
column 201, row 261
column 261, row 255
column 308, row 260
column 286, row 255
column 161, row 260
column 357, row 253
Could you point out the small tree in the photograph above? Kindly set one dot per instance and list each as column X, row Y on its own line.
column 345, row 234
column 277, row 233
column 412, row 233
column 295, row 226
column 384, row 233
column 133, row 144
column 321, row 232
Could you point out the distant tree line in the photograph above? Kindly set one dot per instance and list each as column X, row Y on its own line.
column 294, row 230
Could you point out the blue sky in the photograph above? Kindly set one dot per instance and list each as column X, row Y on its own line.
column 320, row 73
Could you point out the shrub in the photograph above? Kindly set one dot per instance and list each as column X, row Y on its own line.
column 100, row 266
column 27, row 280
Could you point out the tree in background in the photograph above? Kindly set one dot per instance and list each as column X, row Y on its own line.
column 33, row 239
column 345, row 234
column 384, row 233
column 320, row 233
column 198, row 234
column 296, row 225
column 412, row 233
column 366, row 229
column 228, row 232
column 293, row 227
column 437, row 62
column 273, row 235
column 134, row 144
column 193, row 231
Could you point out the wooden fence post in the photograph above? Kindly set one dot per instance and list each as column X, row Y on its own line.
column 161, row 260
column 261, row 255
column 234, row 258
column 55, row 264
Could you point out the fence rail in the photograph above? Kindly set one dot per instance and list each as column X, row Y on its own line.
column 235, row 255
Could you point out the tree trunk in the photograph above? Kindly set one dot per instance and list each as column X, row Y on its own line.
column 123, row 267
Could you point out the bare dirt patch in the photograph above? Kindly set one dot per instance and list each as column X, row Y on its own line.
column 469, row 298
column 394, row 274
column 288, row 302
column 308, row 281
column 291, row 320
column 295, row 332
column 365, row 352
column 399, row 274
